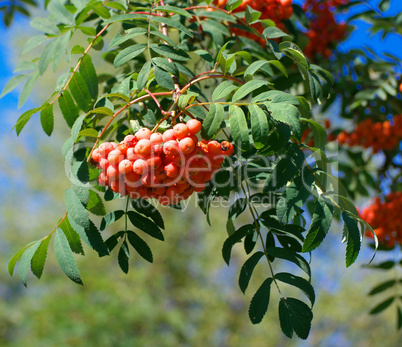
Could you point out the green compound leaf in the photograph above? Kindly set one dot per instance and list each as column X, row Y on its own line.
column 65, row 257
column 295, row 316
column 140, row 246
column 247, row 270
column 39, row 258
column 260, row 301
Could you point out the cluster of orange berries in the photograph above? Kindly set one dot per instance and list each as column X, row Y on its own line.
column 324, row 31
column 380, row 135
column 386, row 219
column 275, row 10
column 168, row 167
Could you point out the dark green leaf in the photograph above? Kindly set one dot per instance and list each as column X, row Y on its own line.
column 140, row 246
column 65, row 257
column 173, row 23
column 252, row 15
column 299, row 282
column 353, row 238
column 274, row 32
column 320, row 223
column 239, row 126
column 24, row 118
column 260, row 301
column 382, row 287
column 68, row 108
column 80, row 92
column 47, row 119
column 123, row 257
column 145, row 208
column 286, row 113
column 382, row 306
column 233, row 239
column 88, row 73
column 146, row 225
column 291, row 256
column 95, row 204
column 295, row 316
column 170, row 52
column 247, row 270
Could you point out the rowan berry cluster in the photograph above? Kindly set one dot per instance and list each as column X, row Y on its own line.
column 324, row 31
column 386, row 219
column 168, row 167
column 380, row 135
column 275, row 10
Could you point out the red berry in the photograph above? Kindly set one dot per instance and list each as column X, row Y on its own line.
column 143, row 133
column 187, row 145
column 194, row 126
column 168, row 135
column 180, row 130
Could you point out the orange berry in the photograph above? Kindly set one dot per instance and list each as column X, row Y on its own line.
column 140, row 167
column 115, row 157
column 180, row 130
column 143, row 147
column 194, row 126
column 143, row 133
column 227, row 148
column 187, row 145
column 156, row 138
column 171, row 148
column 125, row 166
column 171, row 170
column 168, row 135
column 214, row 147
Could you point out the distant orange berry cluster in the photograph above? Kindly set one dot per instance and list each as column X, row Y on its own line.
column 275, row 10
column 168, row 167
column 385, row 218
column 324, row 31
column 379, row 136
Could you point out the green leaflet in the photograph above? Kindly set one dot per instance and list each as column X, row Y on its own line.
column 140, row 246
column 110, row 218
column 353, row 238
column 39, row 258
column 239, row 127
column 298, row 282
column 47, row 119
column 95, row 204
column 72, row 236
column 259, row 126
column 129, row 53
column 223, row 90
column 80, row 92
column 295, row 316
column 65, row 257
column 248, row 88
column 170, row 52
column 25, row 261
column 89, row 75
column 124, row 257
column 76, row 210
column 320, row 223
column 247, row 270
column 213, row 121
column 145, row 225
column 259, row 302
